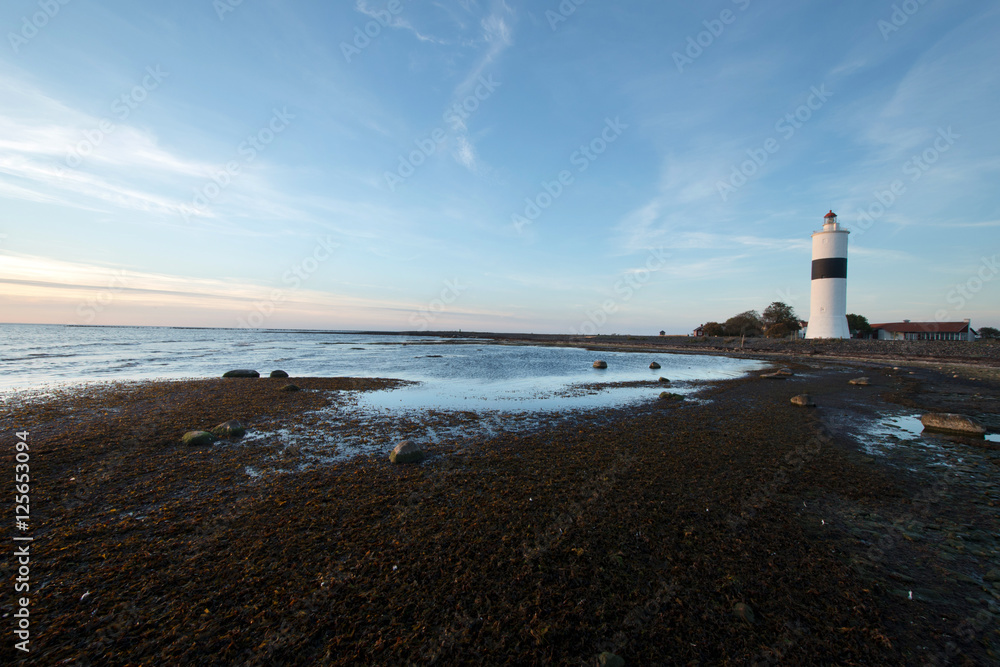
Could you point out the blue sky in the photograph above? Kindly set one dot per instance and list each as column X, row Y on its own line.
column 493, row 164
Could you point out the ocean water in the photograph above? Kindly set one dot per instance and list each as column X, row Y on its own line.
column 450, row 375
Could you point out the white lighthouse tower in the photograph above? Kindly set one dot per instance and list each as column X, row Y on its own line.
column 828, row 299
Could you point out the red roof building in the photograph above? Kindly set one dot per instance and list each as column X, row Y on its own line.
column 907, row 330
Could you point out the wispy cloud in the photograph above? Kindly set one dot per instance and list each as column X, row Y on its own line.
column 398, row 21
column 51, row 152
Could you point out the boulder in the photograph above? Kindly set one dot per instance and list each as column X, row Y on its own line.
column 951, row 423
column 290, row 387
column 229, row 429
column 861, row 382
column 242, row 373
column 607, row 659
column 654, row 365
column 805, row 400
column 600, row 364
column 743, row 612
column 667, row 396
column 279, row 374
column 407, row 451
column 198, row 438
column 664, row 380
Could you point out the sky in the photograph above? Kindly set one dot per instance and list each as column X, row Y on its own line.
column 493, row 165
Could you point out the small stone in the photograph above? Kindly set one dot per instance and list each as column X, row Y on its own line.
column 610, row 660
column 654, row 365
column 198, row 438
column 664, row 380
column 805, row 400
column 279, row 374
column 951, row 423
column 229, row 429
column 992, row 575
column 667, row 396
column 407, row 451
column 241, row 373
column 600, row 364
column 861, row 382
column 290, row 387
column 743, row 612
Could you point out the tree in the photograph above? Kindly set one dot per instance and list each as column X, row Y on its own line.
column 745, row 324
column 858, row 324
column 779, row 330
column 713, row 329
column 987, row 333
column 779, row 320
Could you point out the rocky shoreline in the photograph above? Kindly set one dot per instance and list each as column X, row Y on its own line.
column 733, row 529
column 980, row 353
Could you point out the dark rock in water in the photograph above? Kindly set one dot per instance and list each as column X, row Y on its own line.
column 433, row 356
column 279, row 374
column 610, row 660
column 664, row 380
column 600, row 364
column 743, row 612
column 198, row 438
column 243, row 373
column 290, row 387
column 951, row 423
column 407, row 451
column 229, row 429
column 861, row 382
column 654, row 365
column 667, row 396
column 805, row 400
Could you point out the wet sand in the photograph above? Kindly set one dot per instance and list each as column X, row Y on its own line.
column 734, row 529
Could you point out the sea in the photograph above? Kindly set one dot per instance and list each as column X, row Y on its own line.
column 447, row 374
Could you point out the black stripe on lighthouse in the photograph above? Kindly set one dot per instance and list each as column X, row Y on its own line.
column 832, row 267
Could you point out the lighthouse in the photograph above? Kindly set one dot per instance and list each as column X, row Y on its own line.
column 828, row 298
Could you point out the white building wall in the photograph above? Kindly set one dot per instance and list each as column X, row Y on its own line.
column 828, row 296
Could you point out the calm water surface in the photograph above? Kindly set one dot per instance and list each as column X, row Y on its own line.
column 468, row 375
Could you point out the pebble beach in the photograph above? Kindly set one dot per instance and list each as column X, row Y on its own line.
column 730, row 527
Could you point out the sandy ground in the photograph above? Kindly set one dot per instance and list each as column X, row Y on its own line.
column 734, row 528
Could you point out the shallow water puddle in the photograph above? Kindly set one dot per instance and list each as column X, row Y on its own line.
column 888, row 434
column 372, row 423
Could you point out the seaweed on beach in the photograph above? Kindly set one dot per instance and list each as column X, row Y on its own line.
column 668, row 535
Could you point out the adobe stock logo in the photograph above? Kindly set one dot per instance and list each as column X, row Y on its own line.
column 787, row 126
column 962, row 293
column 122, row 107
column 581, row 158
column 30, row 27
column 449, row 294
column 363, row 37
column 206, row 193
column 455, row 116
column 697, row 44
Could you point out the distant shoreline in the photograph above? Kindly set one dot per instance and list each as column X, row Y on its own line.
column 980, row 353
